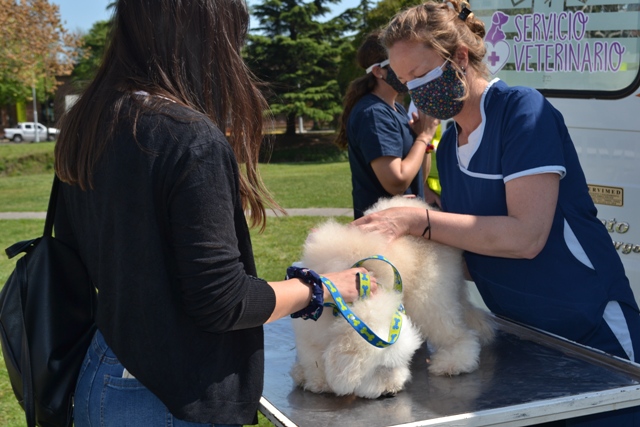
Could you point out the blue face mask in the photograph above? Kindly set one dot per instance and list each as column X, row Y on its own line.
column 437, row 93
column 391, row 79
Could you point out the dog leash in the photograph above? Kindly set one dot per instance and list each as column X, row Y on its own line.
column 365, row 291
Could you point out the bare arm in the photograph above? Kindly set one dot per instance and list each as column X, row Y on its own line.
column 522, row 233
column 395, row 174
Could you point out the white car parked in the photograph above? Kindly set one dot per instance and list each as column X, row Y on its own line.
column 26, row 131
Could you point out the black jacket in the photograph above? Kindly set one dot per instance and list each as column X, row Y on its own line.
column 165, row 239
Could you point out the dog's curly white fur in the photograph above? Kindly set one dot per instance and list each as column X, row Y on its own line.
column 332, row 357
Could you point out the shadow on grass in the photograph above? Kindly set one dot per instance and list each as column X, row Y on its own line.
column 307, row 147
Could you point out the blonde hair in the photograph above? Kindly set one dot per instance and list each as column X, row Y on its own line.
column 438, row 25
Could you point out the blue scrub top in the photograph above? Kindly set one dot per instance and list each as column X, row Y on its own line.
column 375, row 130
column 563, row 290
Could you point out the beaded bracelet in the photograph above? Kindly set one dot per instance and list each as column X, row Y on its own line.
column 429, row 147
column 313, row 279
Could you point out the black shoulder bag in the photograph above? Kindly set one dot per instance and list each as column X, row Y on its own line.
column 46, row 324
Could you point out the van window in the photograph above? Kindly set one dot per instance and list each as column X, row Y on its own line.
column 579, row 48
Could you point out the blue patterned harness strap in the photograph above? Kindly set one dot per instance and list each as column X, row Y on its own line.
column 365, row 291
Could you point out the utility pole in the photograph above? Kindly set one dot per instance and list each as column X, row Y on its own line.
column 300, row 121
column 35, row 113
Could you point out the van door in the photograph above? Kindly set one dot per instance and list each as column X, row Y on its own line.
column 42, row 133
column 28, row 131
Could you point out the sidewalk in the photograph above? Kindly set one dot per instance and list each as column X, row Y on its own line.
column 291, row 212
column 316, row 212
column 23, row 215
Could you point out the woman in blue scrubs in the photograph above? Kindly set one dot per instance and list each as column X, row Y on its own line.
column 387, row 150
column 514, row 196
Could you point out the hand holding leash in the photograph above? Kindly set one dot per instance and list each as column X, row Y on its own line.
column 341, row 307
column 344, row 281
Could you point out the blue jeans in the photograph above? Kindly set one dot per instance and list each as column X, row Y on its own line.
column 104, row 398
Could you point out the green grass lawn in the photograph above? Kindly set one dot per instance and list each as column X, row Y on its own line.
column 302, row 185
column 25, row 193
column 25, row 187
column 26, row 158
column 309, row 185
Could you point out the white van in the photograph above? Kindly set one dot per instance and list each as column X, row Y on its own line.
column 584, row 56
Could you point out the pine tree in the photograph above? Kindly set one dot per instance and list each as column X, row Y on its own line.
column 297, row 56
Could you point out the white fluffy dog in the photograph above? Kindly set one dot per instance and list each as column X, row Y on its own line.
column 333, row 357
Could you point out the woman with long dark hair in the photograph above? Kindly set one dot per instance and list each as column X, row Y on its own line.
column 153, row 199
column 387, row 151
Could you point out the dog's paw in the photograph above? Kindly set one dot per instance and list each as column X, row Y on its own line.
column 317, row 385
column 449, row 363
column 297, row 373
column 444, row 367
column 312, row 381
column 384, row 382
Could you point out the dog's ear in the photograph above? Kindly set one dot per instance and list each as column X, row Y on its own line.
column 310, row 236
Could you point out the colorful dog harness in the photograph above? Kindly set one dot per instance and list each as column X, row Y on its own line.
column 365, row 291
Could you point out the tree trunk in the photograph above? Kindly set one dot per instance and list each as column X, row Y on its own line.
column 291, row 124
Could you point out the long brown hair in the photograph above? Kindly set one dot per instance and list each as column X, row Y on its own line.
column 189, row 52
column 370, row 52
column 437, row 26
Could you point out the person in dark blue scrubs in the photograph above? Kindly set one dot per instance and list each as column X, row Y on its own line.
column 388, row 152
column 514, row 196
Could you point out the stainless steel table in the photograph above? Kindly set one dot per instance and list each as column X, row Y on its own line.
column 525, row 377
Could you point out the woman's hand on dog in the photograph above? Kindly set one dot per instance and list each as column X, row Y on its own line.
column 392, row 222
column 348, row 284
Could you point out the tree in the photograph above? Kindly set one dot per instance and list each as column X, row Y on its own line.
column 363, row 19
column 91, row 50
column 354, row 22
column 298, row 57
column 36, row 48
column 382, row 13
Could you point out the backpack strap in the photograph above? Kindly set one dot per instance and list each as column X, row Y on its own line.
column 51, row 210
column 27, row 376
column 28, row 397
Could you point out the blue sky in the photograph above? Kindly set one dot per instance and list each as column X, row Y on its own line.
column 82, row 14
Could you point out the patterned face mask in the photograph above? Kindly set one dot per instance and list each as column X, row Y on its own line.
column 436, row 93
column 392, row 80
